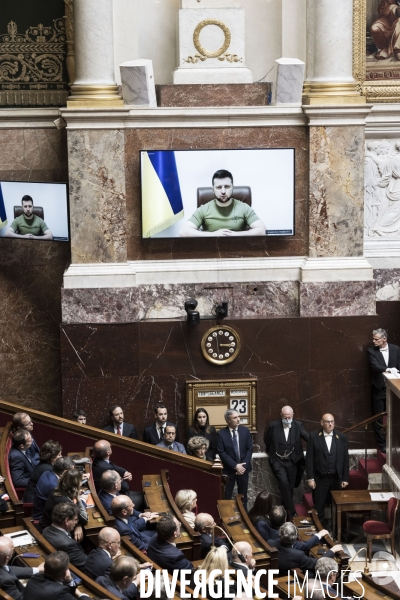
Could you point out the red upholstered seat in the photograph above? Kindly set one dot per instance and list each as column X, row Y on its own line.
column 376, row 528
column 381, row 530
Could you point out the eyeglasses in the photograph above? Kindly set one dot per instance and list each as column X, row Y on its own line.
column 328, row 422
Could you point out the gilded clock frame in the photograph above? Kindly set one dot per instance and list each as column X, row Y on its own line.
column 226, row 360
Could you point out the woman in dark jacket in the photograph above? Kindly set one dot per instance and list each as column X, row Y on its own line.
column 258, row 515
column 68, row 490
column 49, row 453
column 201, row 426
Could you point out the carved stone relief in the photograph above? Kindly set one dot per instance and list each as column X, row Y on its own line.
column 382, row 189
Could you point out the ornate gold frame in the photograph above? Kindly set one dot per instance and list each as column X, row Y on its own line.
column 375, row 91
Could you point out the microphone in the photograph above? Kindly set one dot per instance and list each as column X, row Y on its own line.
column 240, row 555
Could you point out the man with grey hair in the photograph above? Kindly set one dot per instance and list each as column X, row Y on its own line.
column 327, row 570
column 314, row 590
column 383, row 357
column 290, row 557
column 283, row 444
column 235, row 447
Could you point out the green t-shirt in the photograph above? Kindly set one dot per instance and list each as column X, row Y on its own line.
column 238, row 216
column 35, row 226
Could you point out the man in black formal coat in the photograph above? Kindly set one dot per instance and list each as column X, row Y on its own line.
column 283, row 444
column 290, row 557
column 55, row 583
column 383, row 357
column 21, row 465
column 22, row 420
column 162, row 547
column 10, row 576
column 246, row 552
column 235, row 447
column 101, row 462
column 100, row 559
column 154, row 434
column 64, row 519
column 327, row 462
column 118, row 425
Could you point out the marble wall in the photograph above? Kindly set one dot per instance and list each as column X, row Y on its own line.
column 316, row 363
column 190, row 138
column 336, row 221
column 30, row 280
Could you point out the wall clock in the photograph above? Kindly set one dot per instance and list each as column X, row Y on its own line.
column 220, row 345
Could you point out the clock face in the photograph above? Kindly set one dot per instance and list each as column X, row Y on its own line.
column 220, row 345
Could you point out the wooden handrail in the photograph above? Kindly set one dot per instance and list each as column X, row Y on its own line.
column 343, row 557
column 365, row 422
column 273, row 552
column 5, row 471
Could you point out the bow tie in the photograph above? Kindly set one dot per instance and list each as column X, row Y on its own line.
column 328, row 434
column 383, row 349
column 287, row 425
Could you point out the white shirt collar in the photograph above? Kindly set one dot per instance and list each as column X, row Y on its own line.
column 63, row 530
column 328, row 434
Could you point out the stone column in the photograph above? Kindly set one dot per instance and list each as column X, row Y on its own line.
column 95, row 83
column 330, row 41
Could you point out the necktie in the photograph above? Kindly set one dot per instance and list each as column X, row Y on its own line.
column 161, row 432
column 171, row 447
column 235, row 445
column 119, row 432
column 135, row 531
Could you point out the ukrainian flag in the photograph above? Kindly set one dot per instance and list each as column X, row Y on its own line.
column 3, row 215
column 161, row 193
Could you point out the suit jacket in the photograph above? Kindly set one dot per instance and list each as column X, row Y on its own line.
column 97, row 563
column 20, row 467
column 9, row 582
column 167, row 556
column 266, row 531
column 40, row 587
column 128, row 430
column 60, row 541
column 292, row 558
column 226, row 452
column 33, row 452
column 206, row 543
column 176, row 446
column 99, row 466
column 274, row 440
column 106, row 499
column 378, row 365
column 37, row 472
column 132, row 532
column 150, row 434
column 107, row 583
column 317, row 455
column 47, row 482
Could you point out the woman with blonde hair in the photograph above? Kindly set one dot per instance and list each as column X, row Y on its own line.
column 186, row 501
column 217, row 559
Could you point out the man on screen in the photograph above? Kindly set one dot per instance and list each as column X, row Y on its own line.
column 224, row 215
column 29, row 225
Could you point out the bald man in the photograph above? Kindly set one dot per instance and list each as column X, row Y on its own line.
column 204, row 524
column 101, row 558
column 10, row 579
column 102, row 462
column 248, row 563
column 327, row 462
column 283, row 444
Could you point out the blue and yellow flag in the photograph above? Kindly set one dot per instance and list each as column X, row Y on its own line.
column 161, row 193
column 3, row 215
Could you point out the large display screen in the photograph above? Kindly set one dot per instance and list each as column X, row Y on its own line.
column 209, row 193
column 34, row 211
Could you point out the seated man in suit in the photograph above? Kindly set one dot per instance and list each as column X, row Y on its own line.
column 153, row 434
column 162, row 548
column 46, row 484
column 22, row 420
column 270, row 529
column 169, row 443
column 10, row 577
column 326, row 571
column 110, row 488
column 55, row 583
column 283, row 444
column 235, row 447
column 290, row 557
column 327, row 463
column 21, row 465
column 118, row 426
column 122, row 508
column 245, row 562
column 64, row 520
column 100, row 559
column 122, row 579
column 204, row 524
column 101, row 462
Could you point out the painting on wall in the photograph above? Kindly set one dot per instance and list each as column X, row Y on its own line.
column 376, row 48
